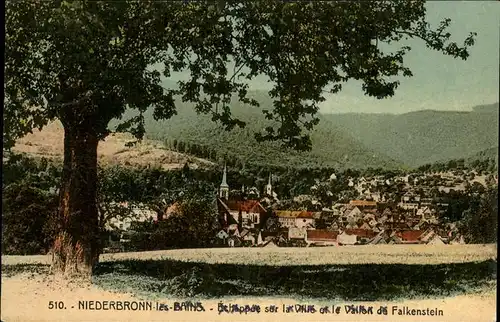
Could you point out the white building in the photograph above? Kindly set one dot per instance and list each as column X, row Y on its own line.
column 123, row 214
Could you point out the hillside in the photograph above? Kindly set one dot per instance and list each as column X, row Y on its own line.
column 331, row 147
column 343, row 140
column 424, row 136
column 491, row 154
column 340, row 140
column 49, row 143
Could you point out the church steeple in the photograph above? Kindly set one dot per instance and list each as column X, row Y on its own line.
column 269, row 187
column 224, row 187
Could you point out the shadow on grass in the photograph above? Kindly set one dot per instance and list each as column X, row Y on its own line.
column 343, row 282
column 11, row 270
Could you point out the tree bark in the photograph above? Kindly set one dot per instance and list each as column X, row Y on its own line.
column 77, row 245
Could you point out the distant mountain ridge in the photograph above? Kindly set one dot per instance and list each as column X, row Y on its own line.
column 351, row 140
column 425, row 136
column 331, row 148
column 488, row 108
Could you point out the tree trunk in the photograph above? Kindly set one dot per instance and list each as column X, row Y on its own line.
column 77, row 246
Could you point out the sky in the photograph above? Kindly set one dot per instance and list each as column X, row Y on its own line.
column 439, row 82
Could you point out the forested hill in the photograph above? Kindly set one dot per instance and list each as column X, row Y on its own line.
column 352, row 140
column 331, row 146
column 488, row 154
column 424, row 136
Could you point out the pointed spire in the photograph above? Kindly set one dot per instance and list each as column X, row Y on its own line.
column 224, row 177
column 269, row 187
column 224, row 187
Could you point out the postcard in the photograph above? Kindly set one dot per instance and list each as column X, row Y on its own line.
column 250, row 161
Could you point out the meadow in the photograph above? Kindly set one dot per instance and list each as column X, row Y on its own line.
column 358, row 273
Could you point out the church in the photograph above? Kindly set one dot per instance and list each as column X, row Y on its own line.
column 249, row 193
column 246, row 210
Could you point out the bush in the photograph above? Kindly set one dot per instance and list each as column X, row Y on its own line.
column 26, row 224
column 194, row 226
column 480, row 222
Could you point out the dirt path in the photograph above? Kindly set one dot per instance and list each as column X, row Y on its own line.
column 26, row 297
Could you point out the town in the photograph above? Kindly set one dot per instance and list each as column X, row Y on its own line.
column 374, row 210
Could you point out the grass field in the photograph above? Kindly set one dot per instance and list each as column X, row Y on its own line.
column 287, row 256
column 361, row 273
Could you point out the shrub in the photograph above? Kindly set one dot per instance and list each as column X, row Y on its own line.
column 26, row 228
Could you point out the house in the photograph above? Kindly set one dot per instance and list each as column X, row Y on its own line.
column 368, row 216
column 413, row 224
column 394, row 239
column 321, row 237
column 351, row 226
column 131, row 213
column 373, row 223
column 297, row 233
column 299, row 219
column 233, row 230
column 366, row 226
column 250, row 212
column 362, row 235
column 225, row 217
column 222, row 235
column 353, row 215
column 426, row 202
column 305, row 219
column 334, row 226
column 380, row 239
column 422, row 225
column 269, row 244
column 424, row 213
column 398, row 226
column 363, row 204
column 253, row 193
column 248, row 237
column 387, row 212
column 383, row 219
column 408, row 205
column 303, row 198
column 435, row 240
column 376, row 197
column 285, row 218
column 234, row 241
column 430, row 237
column 260, row 240
column 346, row 239
column 409, row 236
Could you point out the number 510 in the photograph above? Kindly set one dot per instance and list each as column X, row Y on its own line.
column 56, row 305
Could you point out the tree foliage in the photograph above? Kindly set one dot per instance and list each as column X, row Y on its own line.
column 27, row 228
column 193, row 225
column 480, row 221
column 63, row 53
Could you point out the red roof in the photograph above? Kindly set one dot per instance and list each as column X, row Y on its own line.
column 306, row 214
column 367, row 233
column 245, row 206
column 363, row 203
column 410, row 235
column 320, row 234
